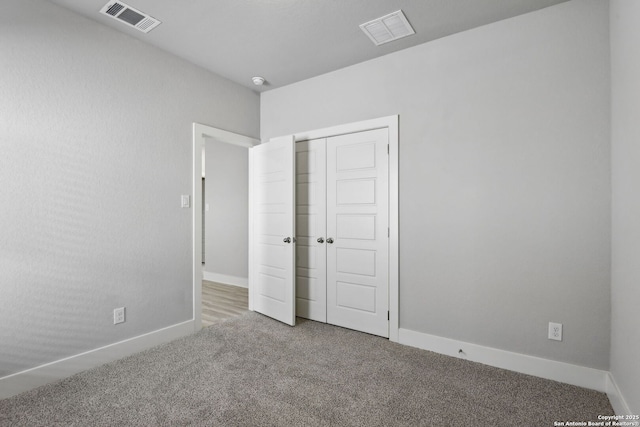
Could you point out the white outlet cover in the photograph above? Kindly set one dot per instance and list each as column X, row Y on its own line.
column 555, row 331
column 118, row 315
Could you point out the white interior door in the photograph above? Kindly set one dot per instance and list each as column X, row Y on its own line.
column 272, row 246
column 357, row 231
column 311, row 256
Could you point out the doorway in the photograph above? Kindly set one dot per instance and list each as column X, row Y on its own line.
column 218, row 256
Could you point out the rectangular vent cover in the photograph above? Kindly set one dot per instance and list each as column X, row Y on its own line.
column 388, row 28
column 129, row 15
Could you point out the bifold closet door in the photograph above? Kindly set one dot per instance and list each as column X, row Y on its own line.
column 311, row 257
column 357, row 231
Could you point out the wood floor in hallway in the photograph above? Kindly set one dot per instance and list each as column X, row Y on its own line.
column 220, row 302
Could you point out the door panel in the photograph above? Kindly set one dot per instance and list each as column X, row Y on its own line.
column 356, row 192
column 357, row 221
column 272, row 281
column 355, row 156
column 360, row 227
column 311, row 288
column 356, row 296
column 360, row 262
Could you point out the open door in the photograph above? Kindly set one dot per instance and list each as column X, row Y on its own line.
column 272, row 240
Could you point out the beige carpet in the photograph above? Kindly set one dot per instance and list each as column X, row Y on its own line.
column 253, row 371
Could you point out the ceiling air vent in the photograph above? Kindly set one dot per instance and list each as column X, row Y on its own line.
column 388, row 28
column 129, row 15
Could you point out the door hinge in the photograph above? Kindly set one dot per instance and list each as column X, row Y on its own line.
column 387, row 148
column 388, row 232
column 388, row 315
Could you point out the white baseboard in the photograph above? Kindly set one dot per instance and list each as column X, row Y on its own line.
column 581, row 376
column 242, row 282
column 44, row 374
column 618, row 402
column 567, row 373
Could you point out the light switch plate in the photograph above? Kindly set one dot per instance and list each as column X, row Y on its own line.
column 185, row 202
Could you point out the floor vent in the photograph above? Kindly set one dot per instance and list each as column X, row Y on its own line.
column 129, row 15
column 388, row 28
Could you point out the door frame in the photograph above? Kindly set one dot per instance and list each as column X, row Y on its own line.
column 200, row 134
column 392, row 124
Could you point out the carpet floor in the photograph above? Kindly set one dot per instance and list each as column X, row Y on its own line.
column 253, row 371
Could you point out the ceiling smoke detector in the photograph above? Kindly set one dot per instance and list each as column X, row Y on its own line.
column 388, row 28
column 129, row 15
column 258, row 81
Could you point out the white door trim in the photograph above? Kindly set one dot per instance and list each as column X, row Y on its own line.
column 200, row 133
column 390, row 122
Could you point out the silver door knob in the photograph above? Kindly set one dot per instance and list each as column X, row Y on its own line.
column 320, row 240
column 329, row 240
column 287, row 240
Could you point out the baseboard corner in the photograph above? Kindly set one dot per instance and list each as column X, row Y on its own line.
column 618, row 402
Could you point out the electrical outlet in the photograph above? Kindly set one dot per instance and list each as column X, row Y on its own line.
column 118, row 315
column 555, row 331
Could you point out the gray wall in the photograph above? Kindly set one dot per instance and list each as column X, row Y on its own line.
column 95, row 143
column 504, row 176
column 227, row 221
column 625, row 137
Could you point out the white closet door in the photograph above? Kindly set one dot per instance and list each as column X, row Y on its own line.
column 272, row 281
column 311, row 256
column 357, row 223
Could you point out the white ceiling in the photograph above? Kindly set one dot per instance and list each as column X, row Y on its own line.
column 286, row 41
